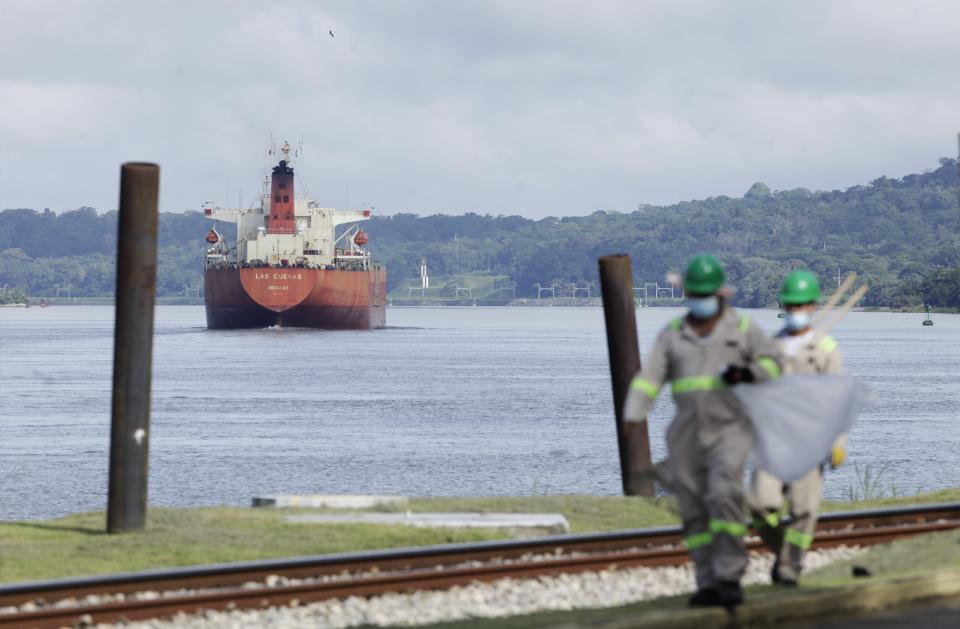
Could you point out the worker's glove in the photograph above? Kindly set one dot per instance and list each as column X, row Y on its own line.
column 735, row 375
column 837, row 456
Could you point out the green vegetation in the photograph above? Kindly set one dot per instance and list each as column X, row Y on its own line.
column 905, row 558
column 12, row 296
column 889, row 500
column 870, row 484
column 76, row 251
column 477, row 287
column 941, row 287
column 902, row 235
column 77, row 545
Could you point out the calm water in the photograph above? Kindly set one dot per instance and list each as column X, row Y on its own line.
column 468, row 401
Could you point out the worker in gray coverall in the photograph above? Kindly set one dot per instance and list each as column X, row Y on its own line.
column 702, row 354
column 804, row 352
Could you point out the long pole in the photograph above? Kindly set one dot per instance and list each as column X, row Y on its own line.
column 133, row 346
column 633, row 438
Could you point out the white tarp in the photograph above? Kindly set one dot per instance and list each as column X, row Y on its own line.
column 797, row 418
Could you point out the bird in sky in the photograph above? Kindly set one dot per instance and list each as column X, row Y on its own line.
column 331, row 33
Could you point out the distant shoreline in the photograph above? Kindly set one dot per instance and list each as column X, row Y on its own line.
column 517, row 303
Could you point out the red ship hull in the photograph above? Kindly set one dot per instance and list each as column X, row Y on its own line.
column 296, row 297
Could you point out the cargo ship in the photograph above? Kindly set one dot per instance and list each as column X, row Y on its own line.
column 294, row 263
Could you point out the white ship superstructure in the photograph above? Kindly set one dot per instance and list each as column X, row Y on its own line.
column 266, row 237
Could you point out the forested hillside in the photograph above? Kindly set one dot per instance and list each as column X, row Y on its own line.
column 41, row 250
column 903, row 235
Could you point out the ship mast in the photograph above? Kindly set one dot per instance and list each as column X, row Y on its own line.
column 286, row 150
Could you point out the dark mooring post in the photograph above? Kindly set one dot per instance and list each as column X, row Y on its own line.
column 133, row 346
column 616, row 284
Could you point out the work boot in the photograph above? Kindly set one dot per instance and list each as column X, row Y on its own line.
column 729, row 595
column 786, row 578
column 788, row 572
column 705, row 597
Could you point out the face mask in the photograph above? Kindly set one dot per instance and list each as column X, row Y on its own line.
column 703, row 307
column 797, row 320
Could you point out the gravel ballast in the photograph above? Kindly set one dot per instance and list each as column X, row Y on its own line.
column 506, row 597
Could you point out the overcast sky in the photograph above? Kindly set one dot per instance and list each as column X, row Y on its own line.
column 537, row 108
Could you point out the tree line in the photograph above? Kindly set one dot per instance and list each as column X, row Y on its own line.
column 901, row 234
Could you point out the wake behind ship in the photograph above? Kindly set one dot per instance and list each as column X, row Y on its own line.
column 289, row 267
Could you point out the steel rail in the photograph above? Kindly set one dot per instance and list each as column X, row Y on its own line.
column 420, row 568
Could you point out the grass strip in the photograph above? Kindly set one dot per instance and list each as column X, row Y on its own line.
column 76, row 545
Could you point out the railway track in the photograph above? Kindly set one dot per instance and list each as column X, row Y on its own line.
column 257, row 584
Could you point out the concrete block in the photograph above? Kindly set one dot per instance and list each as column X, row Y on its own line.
column 333, row 501
column 550, row 522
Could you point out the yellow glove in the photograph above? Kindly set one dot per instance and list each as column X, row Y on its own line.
column 837, row 456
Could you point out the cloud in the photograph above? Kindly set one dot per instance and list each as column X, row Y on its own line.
column 540, row 108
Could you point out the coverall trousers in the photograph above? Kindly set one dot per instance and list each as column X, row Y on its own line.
column 707, row 455
column 791, row 542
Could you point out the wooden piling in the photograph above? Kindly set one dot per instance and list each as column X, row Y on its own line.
column 616, row 285
column 136, row 290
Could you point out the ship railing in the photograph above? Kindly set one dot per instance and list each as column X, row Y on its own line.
column 220, row 264
column 348, row 253
column 344, row 263
column 357, row 266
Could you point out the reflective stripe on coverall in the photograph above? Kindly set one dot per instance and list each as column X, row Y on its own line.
column 709, row 438
column 803, row 495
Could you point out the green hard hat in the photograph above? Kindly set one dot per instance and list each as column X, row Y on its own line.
column 800, row 287
column 704, row 276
